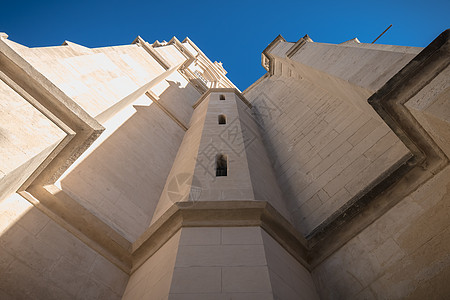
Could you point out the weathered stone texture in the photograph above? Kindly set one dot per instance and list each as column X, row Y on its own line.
column 40, row 260
column 403, row 255
column 319, row 142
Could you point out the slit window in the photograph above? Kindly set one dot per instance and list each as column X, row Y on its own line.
column 222, row 119
column 222, row 97
column 221, row 165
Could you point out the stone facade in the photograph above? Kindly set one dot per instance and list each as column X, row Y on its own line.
column 142, row 172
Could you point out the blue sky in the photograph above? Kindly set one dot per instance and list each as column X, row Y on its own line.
column 234, row 32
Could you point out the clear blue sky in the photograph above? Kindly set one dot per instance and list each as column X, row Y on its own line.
column 234, row 32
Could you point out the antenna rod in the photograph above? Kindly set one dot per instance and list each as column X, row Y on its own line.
column 382, row 33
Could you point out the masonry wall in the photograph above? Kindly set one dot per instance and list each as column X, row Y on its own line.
column 403, row 255
column 224, row 139
column 153, row 279
column 324, row 149
column 236, row 263
column 290, row 280
column 325, row 141
column 121, row 180
column 94, row 78
column 365, row 65
column 26, row 137
column 263, row 178
column 41, row 260
column 181, row 175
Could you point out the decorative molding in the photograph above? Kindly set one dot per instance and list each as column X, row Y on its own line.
column 299, row 44
column 219, row 214
column 40, row 92
column 140, row 42
column 267, row 60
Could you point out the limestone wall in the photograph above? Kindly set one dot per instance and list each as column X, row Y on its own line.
column 122, row 179
column 263, row 178
column 224, row 139
column 153, row 279
column 326, row 143
column 403, row 255
column 41, row 260
column 222, row 263
column 119, row 178
column 26, row 137
column 177, row 185
column 290, row 280
column 364, row 65
column 94, row 78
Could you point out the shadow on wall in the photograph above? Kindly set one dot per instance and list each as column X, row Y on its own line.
column 40, row 260
column 121, row 180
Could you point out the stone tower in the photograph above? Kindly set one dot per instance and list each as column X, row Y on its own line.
column 141, row 172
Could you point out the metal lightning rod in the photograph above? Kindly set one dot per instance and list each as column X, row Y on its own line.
column 382, row 33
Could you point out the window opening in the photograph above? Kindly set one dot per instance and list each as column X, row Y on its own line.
column 222, row 119
column 221, row 165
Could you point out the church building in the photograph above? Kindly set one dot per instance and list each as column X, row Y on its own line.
column 142, row 172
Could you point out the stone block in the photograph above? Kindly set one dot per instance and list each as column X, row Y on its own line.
column 200, row 236
column 34, row 220
column 93, row 289
column 71, row 282
column 62, row 242
column 241, row 236
column 246, row 279
column 108, row 274
column 22, row 244
column 223, row 255
column 196, row 280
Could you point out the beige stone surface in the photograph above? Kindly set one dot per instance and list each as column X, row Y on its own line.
column 320, row 132
column 123, row 189
column 402, row 255
column 36, row 251
column 431, row 107
column 153, row 279
column 26, row 137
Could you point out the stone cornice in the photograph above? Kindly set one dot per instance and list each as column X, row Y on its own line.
column 267, row 60
column 81, row 129
column 140, row 42
column 219, row 70
column 80, row 222
column 298, row 45
column 218, row 214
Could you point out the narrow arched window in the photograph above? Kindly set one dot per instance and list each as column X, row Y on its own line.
column 222, row 97
column 221, row 165
column 222, row 119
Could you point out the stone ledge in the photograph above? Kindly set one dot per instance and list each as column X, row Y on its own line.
column 298, row 45
column 219, row 214
column 140, row 42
